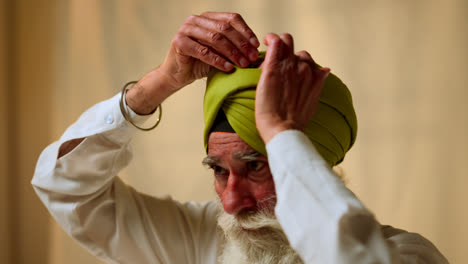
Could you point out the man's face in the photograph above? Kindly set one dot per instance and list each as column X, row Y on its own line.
column 243, row 179
column 246, row 192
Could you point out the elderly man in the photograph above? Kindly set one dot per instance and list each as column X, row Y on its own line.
column 275, row 125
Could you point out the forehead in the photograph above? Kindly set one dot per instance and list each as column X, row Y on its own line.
column 220, row 143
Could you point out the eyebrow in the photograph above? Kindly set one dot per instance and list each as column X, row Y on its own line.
column 210, row 161
column 238, row 155
column 246, row 156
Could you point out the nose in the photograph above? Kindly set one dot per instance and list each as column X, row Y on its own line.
column 237, row 196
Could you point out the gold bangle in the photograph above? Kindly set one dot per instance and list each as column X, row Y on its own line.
column 126, row 115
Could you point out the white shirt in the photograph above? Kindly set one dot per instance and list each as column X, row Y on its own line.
column 323, row 220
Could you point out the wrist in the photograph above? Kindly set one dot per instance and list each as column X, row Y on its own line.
column 146, row 95
column 268, row 132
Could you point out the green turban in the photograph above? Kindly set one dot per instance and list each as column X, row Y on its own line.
column 332, row 130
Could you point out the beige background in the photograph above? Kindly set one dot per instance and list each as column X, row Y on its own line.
column 405, row 62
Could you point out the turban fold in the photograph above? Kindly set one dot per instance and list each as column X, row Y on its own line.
column 332, row 130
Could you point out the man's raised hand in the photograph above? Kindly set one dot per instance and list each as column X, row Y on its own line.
column 289, row 88
column 209, row 40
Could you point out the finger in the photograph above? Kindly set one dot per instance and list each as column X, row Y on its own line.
column 307, row 66
column 275, row 50
column 317, row 70
column 228, row 31
column 272, row 58
column 288, row 40
column 217, row 42
column 311, row 88
column 186, row 46
column 312, row 80
column 238, row 23
column 305, row 56
column 318, row 85
column 325, row 72
column 306, row 76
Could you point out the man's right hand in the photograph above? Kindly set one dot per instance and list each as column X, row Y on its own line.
column 202, row 42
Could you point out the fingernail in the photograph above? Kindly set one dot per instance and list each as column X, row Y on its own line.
column 253, row 55
column 228, row 66
column 243, row 62
column 254, row 41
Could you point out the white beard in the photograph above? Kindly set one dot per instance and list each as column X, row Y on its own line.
column 255, row 238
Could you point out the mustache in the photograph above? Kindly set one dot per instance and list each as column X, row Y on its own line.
column 255, row 236
column 262, row 218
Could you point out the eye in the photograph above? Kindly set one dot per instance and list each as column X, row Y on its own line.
column 218, row 170
column 255, row 165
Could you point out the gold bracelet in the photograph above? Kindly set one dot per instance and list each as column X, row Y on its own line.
column 126, row 115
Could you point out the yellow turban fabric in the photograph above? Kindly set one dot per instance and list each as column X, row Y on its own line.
column 332, row 130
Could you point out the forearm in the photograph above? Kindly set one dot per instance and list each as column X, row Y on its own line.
column 84, row 195
column 324, row 221
column 106, row 129
column 79, row 170
column 137, row 103
column 150, row 92
column 94, row 206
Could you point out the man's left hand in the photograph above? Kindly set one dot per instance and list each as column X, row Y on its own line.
column 289, row 88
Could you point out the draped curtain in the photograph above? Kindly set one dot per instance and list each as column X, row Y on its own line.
column 405, row 63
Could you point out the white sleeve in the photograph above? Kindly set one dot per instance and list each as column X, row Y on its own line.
column 323, row 220
column 109, row 218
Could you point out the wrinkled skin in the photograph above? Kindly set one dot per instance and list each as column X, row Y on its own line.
column 242, row 186
column 287, row 95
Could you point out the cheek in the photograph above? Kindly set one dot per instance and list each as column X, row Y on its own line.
column 219, row 189
column 265, row 194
